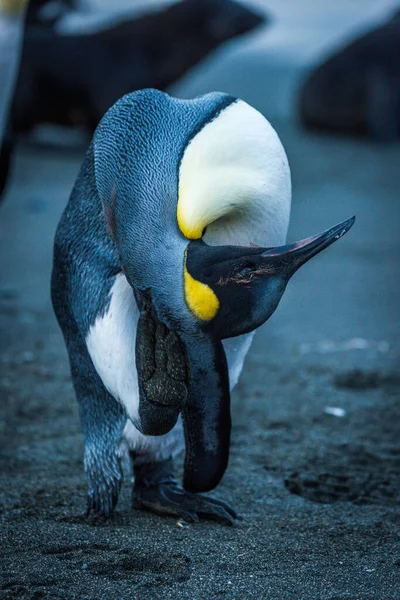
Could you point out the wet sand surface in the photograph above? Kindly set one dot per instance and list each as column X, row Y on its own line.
column 315, row 456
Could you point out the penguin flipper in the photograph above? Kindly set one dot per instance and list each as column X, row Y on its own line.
column 206, row 415
column 162, row 368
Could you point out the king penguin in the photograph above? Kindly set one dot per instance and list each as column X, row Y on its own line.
column 11, row 32
column 170, row 253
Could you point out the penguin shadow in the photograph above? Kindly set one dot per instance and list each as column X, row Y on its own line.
column 146, row 569
column 357, row 476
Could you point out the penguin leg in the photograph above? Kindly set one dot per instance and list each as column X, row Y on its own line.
column 103, row 420
column 156, row 490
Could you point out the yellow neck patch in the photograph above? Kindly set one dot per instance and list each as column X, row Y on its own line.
column 191, row 231
column 200, row 298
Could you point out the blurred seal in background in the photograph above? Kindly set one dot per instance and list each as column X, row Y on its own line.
column 357, row 90
column 72, row 79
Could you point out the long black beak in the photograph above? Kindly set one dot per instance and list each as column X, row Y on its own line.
column 300, row 252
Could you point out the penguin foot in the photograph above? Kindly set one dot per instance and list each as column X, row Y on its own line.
column 156, row 490
column 102, row 502
column 105, row 481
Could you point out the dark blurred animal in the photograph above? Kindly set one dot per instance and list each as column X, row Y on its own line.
column 357, row 91
column 71, row 80
column 11, row 32
column 14, row 16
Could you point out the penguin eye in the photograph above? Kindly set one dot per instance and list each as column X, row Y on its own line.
column 245, row 275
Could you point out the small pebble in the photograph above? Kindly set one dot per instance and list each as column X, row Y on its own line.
column 335, row 411
column 182, row 523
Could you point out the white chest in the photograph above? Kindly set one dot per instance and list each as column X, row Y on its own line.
column 111, row 345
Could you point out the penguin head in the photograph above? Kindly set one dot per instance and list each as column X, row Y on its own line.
column 233, row 290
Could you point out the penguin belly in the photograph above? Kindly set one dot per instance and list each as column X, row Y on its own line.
column 111, row 345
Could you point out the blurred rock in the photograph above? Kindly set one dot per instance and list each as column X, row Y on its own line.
column 357, row 90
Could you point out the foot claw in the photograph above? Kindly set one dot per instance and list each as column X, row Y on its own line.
column 170, row 499
column 102, row 502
